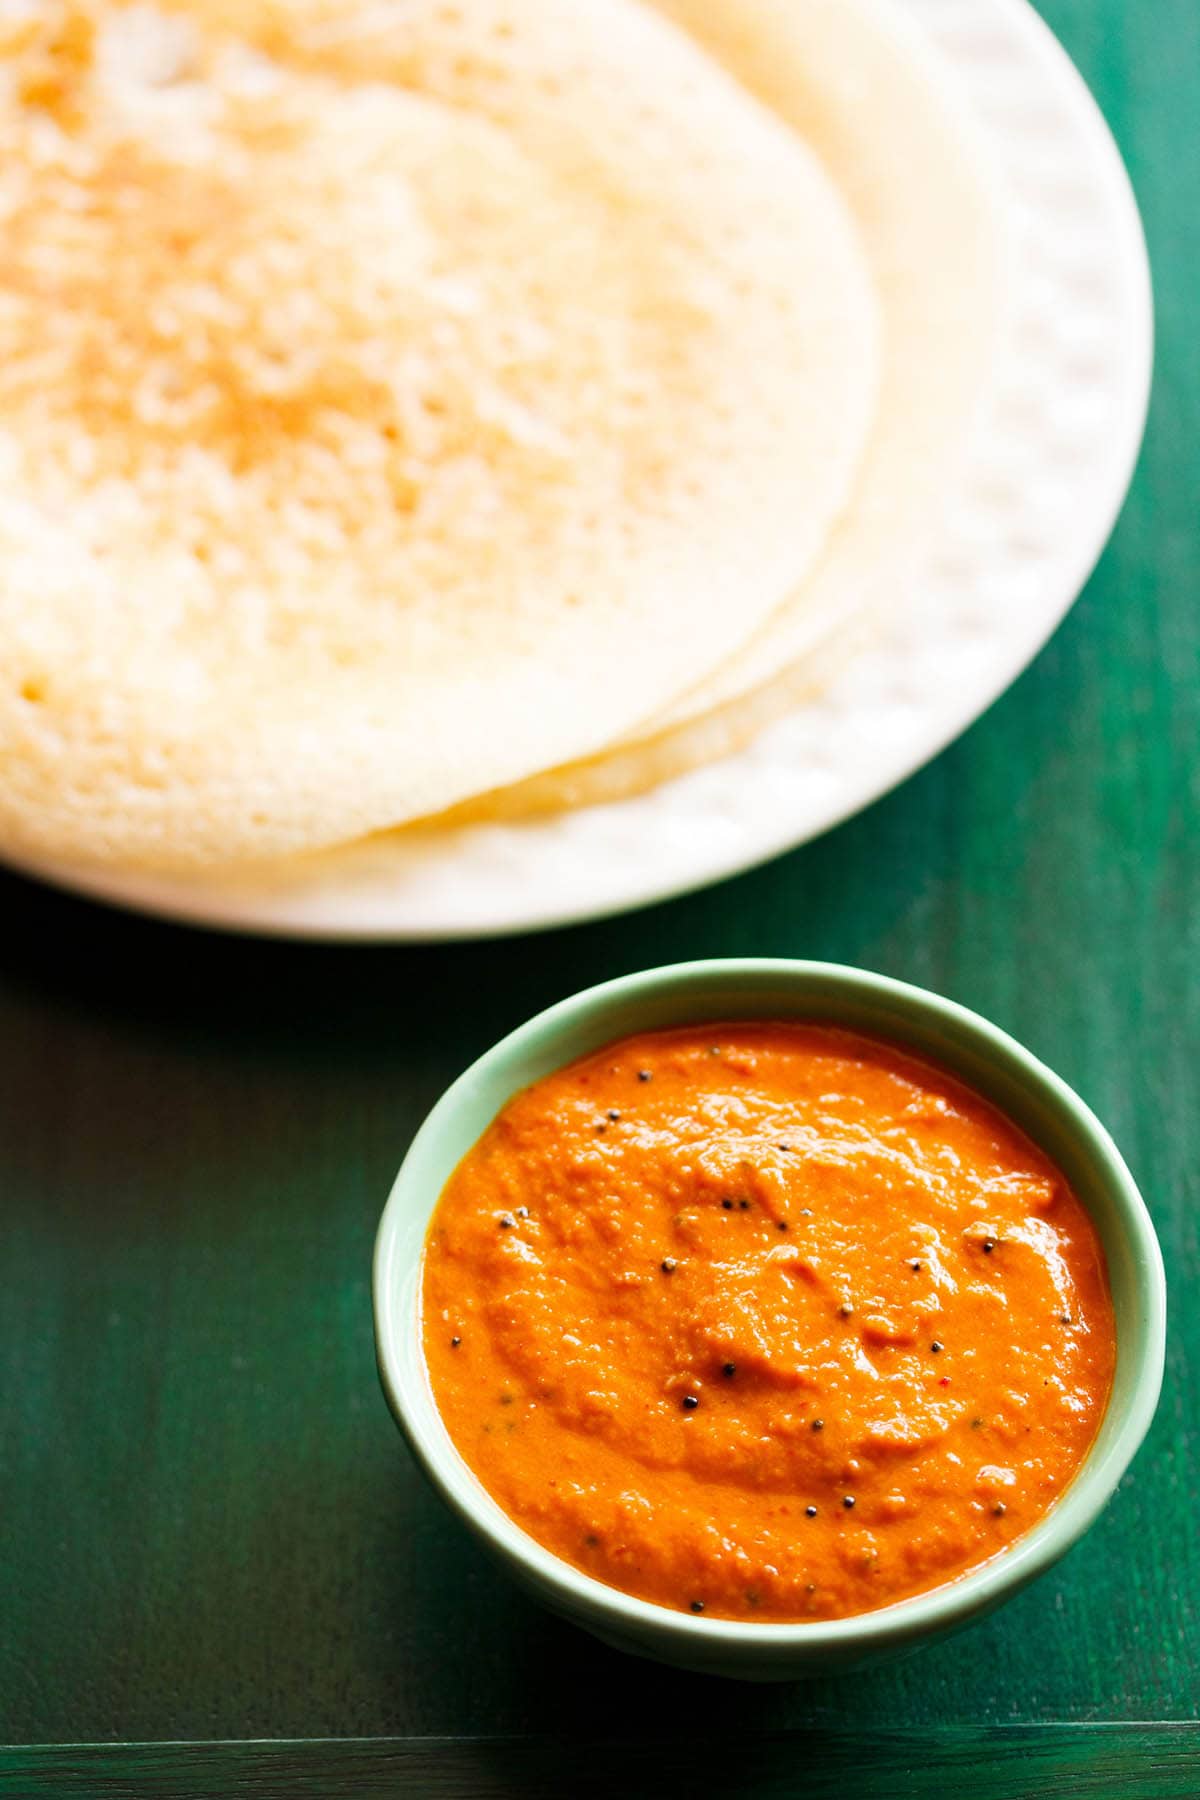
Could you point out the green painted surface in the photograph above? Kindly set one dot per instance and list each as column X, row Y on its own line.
column 1070, row 1762
column 210, row 1527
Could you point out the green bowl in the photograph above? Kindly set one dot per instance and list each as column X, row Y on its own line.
column 987, row 1060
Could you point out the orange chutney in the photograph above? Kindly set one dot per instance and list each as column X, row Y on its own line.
column 766, row 1321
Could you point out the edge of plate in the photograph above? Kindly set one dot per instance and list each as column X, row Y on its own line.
column 270, row 913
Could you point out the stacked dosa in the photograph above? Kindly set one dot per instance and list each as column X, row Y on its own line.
column 867, row 92
column 399, row 401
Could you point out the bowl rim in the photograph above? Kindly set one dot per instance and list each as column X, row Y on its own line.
column 956, row 1601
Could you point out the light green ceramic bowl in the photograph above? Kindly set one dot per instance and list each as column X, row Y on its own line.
column 983, row 1057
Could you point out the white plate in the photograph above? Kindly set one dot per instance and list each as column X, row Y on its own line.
column 1051, row 465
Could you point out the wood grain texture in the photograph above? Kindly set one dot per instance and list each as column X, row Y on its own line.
column 210, row 1526
column 1089, row 1762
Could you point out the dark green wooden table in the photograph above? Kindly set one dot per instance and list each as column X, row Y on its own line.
column 209, row 1529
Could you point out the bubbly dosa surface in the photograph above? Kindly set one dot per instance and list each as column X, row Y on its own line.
column 395, row 400
column 868, row 94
